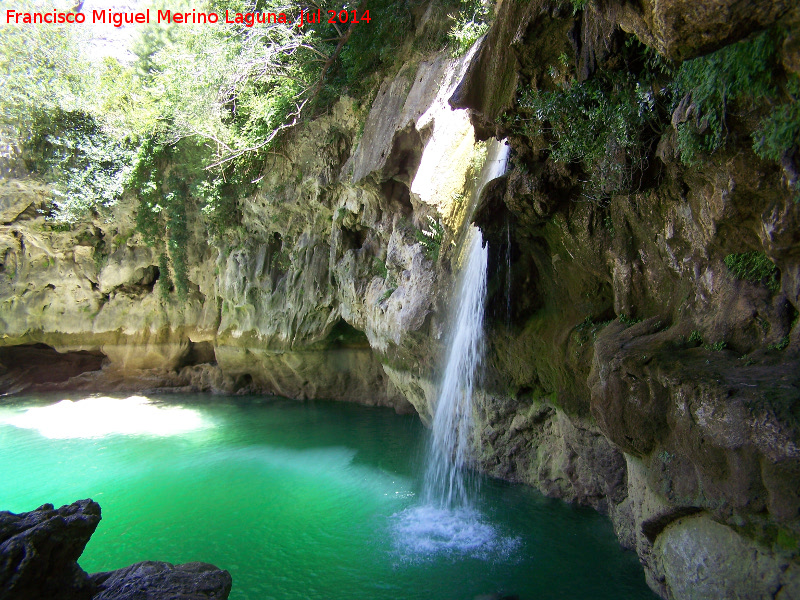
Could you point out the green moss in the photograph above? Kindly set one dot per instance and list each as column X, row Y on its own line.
column 754, row 267
column 695, row 338
column 431, row 239
column 780, row 130
column 588, row 328
column 608, row 223
column 747, row 74
column 665, row 457
column 779, row 345
column 379, row 268
column 716, row 346
column 578, row 5
column 738, row 72
column 583, row 329
column 747, row 360
column 164, row 279
column 281, row 260
column 626, row 320
column 787, row 540
column 121, row 239
column 58, row 226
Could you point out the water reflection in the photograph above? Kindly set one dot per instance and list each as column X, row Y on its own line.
column 102, row 416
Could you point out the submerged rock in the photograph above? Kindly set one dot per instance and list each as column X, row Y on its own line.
column 39, row 553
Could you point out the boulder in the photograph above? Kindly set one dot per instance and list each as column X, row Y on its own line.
column 39, row 553
column 152, row 580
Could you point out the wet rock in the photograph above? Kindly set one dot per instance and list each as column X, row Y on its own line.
column 39, row 553
column 539, row 444
column 682, row 29
column 699, row 558
column 151, row 580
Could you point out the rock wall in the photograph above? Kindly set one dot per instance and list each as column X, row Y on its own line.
column 325, row 291
column 632, row 370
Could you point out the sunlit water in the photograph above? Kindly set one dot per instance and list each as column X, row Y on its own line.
column 297, row 501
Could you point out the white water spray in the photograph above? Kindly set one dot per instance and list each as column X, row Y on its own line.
column 445, row 481
column 447, row 522
column 446, row 484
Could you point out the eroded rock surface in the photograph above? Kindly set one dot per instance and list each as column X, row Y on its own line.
column 629, row 369
column 39, row 553
column 151, row 580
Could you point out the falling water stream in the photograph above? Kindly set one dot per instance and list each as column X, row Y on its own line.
column 446, row 483
column 447, row 520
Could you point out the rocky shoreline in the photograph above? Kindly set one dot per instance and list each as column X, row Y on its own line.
column 39, row 553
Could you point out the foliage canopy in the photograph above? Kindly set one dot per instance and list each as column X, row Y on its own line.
column 184, row 121
column 740, row 77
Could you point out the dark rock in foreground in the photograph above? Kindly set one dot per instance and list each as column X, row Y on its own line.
column 151, row 580
column 39, row 553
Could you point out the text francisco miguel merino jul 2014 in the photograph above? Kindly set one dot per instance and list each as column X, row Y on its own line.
column 248, row 19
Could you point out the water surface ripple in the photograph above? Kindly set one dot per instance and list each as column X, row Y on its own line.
column 314, row 500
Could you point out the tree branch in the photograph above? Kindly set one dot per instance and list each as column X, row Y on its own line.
column 336, row 53
column 260, row 145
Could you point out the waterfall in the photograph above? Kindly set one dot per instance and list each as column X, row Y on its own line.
column 445, row 482
column 446, row 521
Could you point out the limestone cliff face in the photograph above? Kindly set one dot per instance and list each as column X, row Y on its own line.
column 630, row 371
column 326, row 291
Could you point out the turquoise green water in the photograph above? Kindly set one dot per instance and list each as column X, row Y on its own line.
column 308, row 500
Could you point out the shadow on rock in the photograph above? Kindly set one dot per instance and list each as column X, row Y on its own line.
column 39, row 553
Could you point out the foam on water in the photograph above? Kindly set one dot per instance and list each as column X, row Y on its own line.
column 426, row 532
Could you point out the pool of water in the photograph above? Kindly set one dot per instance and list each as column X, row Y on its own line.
column 313, row 500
